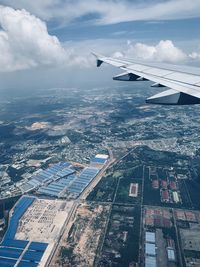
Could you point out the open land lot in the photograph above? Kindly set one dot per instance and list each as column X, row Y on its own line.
column 84, row 236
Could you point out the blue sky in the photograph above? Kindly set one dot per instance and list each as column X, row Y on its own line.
column 49, row 42
column 178, row 30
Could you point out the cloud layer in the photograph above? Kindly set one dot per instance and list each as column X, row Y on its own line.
column 109, row 11
column 25, row 42
column 164, row 51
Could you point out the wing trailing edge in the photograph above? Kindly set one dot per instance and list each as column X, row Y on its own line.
column 126, row 76
column 183, row 82
column 172, row 97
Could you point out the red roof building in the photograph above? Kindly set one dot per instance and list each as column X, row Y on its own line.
column 166, row 214
column 180, row 215
column 165, row 195
column 173, row 185
column 164, row 184
column 149, row 221
column 190, row 216
column 157, row 212
column 149, row 211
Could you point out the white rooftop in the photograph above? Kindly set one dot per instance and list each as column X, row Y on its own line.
column 150, row 249
column 171, row 254
column 150, row 261
column 150, row 237
column 101, row 156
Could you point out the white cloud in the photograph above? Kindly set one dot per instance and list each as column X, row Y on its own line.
column 195, row 55
column 110, row 11
column 164, row 51
column 25, row 42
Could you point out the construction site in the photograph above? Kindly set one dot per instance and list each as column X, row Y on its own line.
column 43, row 220
column 34, row 229
column 80, row 246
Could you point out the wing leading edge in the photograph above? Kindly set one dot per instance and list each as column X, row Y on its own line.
column 184, row 82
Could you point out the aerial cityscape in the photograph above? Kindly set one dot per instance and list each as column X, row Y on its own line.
column 98, row 180
column 99, row 133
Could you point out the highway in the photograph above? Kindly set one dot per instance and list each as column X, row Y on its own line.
column 177, row 240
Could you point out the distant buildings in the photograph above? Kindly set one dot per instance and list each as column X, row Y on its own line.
column 170, row 254
column 61, row 180
column 157, row 249
column 173, row 185
column 99, row 159
column 169, row 192
column 150, row 249
column 44, row 177
column 157, row 217
column 186, row 215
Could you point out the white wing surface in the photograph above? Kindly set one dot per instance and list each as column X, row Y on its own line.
column 183, row 82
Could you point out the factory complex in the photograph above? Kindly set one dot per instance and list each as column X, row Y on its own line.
column 34, row 228
column 62, row 181
column 37, row 221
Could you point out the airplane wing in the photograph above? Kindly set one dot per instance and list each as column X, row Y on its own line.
column 183, row 82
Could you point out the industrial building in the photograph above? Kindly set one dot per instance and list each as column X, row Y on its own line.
column 170, row 254
column 150, row 249
column 61, row 181
column 57, row 188
column 53, row 173
column 78, row 185
column 82, row 181
column 158, row 251
column 150, row 261
column 70, row 184
column 36, row 224
column 99, row 159
column 20, row 253
column 34, row 228
column 150, row 237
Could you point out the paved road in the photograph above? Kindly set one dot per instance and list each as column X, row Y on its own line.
column 178, row 240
